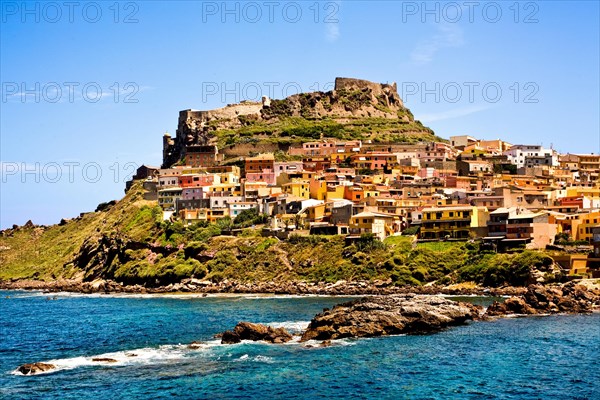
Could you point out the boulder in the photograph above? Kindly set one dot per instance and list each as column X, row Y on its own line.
column 250, row 331
column 230, row 337
column 35, row 368
column 195, row 345
column 104, row 359
column 389, row 315
column 512, row 305
column 256, row 332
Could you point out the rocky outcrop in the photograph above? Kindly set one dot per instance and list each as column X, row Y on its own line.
column 35, row 368
column 255, row 332
column 570, row 298
column 389, row 315
column 98, row 252
column 104, row 359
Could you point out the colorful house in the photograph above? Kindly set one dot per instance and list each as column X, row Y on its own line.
column 380, row 224
column 453, row 222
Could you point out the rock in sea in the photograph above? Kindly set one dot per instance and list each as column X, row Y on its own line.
column 255, row 332
column 389, row 315
column 35, row 368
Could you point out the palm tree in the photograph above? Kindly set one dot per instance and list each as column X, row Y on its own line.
column 297, row 220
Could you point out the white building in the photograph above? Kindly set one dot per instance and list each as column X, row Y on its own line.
column 521, row 153
column 236, row 208
column 462, row 141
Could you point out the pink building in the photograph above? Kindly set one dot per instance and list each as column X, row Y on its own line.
column 193, row 180
column 374, row 161
column 437, row 152
column 194, row 193
column 287, row 167
column 326, row 148
column 266, row 175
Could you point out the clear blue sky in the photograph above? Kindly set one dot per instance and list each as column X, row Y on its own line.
column 449, row 63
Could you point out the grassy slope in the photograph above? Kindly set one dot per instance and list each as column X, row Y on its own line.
column 45, row 253
column 296, row 130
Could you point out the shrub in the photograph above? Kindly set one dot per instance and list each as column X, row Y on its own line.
column 402, row 276
column 412, row 230
column 369, row 242
column 193, row 249
column 250, row 217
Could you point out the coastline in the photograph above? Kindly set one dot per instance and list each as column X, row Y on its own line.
column 193, row 286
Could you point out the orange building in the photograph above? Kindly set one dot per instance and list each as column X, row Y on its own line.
column 260, row 163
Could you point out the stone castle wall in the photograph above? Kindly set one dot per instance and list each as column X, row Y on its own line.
column 376, row 88
column 230, row 111
column 241, row 150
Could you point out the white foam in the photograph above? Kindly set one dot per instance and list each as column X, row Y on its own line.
column 143, row 356
column 258, row 358
column 264, row 359
column 344, row 342
column 291, row 326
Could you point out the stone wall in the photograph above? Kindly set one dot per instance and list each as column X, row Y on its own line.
column 242, row 150
column 376, row 88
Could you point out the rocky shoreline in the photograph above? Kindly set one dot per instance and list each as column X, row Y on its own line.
column 340, row 288
column 393, row 314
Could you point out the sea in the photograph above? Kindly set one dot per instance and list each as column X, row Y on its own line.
column 541, row 357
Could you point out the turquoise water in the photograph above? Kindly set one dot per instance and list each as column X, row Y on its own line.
column 553, row 357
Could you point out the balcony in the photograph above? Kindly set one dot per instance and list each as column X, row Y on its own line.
column 518, row 236
column 496, row 223
column 518, row 226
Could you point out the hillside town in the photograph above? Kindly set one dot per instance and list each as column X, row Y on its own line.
column 505, row 195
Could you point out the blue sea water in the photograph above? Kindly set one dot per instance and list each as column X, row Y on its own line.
column 550, row 357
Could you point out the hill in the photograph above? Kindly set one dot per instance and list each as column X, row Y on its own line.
column 354, row 110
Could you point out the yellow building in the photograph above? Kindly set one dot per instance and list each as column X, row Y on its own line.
column 453, row 222
column 591, row 195
column 334, row 192
column 225, row 189
column 377, row 179
column 380, row 224
column 318, row 189
column 229, row 177
column 589, row 167
column 585, row 226
column 371, row 193
column 190, row 217
column 298, row 188
column 316, row 213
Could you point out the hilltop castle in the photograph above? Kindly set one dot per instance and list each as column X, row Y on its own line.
column 195, row 128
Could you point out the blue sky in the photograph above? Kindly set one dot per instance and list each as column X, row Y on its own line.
column 88, row 91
